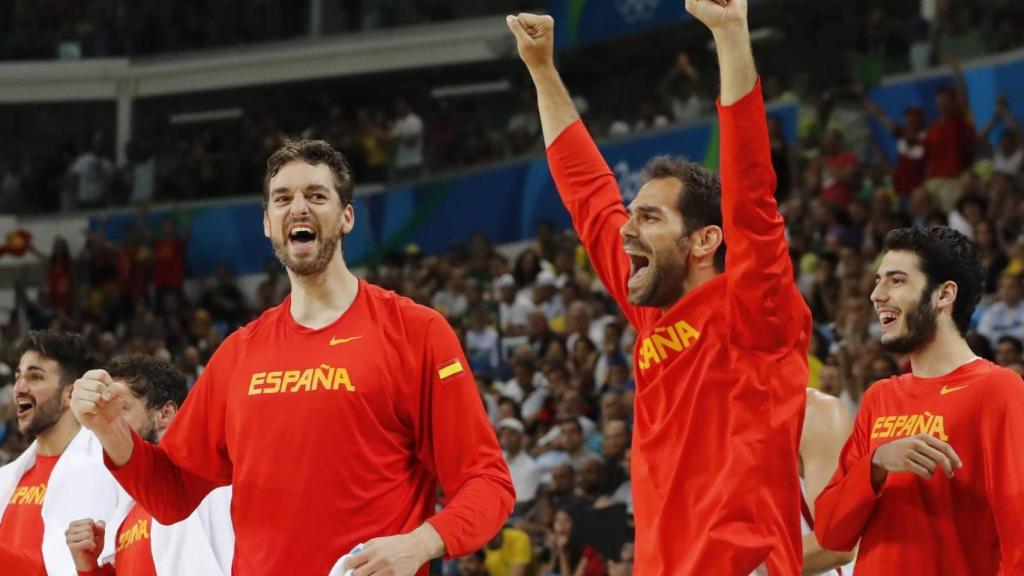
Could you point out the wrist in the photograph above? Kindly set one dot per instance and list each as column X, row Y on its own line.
column 427, row 542
column 731, row 31
column 84, row 563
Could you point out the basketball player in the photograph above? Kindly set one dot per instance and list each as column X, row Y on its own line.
column 203, row 543
column 721, row 353
column 333, row 415
column 932, row 479
column 60, row 477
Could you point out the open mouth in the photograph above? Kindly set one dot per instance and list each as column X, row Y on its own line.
column 639, row 264
column 302, row 235
column 24, row 407
column 887, row 318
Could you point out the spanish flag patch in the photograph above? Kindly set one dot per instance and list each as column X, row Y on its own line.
column 449, row 369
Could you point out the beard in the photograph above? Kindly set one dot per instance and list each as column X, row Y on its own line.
column 148, row 432
column 47, row 414
column 326, row 246
column 922, row 323
column 667, row 276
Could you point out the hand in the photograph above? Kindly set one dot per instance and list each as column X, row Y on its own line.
column 921, row 455
column 718, row 14
column 561, row 541
column 400, row 555
column 535, row 38
column 619, row 568
column 85, row 540
column 97, row 401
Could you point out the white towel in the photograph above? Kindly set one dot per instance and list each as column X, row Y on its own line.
column 339, row 566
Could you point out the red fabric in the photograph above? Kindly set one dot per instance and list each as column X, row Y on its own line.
column 909, row 173
column 949, row 147
column 21, row 562
column 939, row 526
column 102, row 570
column 595, row 565
column 169, row 263
column 834, row 191
column 134, row 552
column 316, row 471
column 22, row 525
column 718, row 417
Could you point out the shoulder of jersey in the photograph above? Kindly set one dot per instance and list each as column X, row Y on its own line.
column 269, row 317
column 884, row 385
column 403, row 306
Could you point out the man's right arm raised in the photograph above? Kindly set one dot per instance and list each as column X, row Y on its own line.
column 169, row 479
column 587, row 186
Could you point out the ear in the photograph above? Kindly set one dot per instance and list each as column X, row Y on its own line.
column 348, row 219
column 165, row 415
column 705, row 242
column 266, row 224
column 945, row 295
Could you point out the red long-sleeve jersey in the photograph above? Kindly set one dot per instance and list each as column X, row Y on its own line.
column 332, row 437
column 721, row 375
column 959, row 525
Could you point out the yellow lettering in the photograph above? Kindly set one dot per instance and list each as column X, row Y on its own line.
column 900, row 421
column 920, row 426
column 305, row 381
column 661, row 342
column 341, row 377
column 908, row 426
column 275, row 379
column 323, row 377
column 887, row 426
column 143, row 530
column 257, row 379
column 290, row 377
column 647, row 354
column 938, row 428
column 686, row 333
column 877, row 425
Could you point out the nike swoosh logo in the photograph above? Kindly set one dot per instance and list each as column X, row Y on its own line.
column 946, row 390
column 336, row 341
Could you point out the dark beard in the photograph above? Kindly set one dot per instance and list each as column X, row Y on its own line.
column 309, row 267
column 666, row 284
column 47, row 414
column 922, row 323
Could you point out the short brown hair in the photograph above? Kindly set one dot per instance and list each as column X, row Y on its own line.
column 152, row 379
column 700, row 198
column 67, row 349
column 312, row 152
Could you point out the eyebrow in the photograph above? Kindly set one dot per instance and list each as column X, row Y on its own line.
column 890, row 273
column 644, row 208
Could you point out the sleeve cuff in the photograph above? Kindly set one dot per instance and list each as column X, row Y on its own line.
column 860, row 478
column 750, row 99
column 137, row 445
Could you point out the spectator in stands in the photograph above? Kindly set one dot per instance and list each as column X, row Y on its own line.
column 525, row 388
column 614, row 443
column 949, row 144
column 1008, row 154
column 526, row 474
column 909, row 172
column 509, row 553
column 224, row 300
column 407, row 132
column 474, row 564
column 91, row 173
column 591, row 481
column 483, row 346
column 1005, row 316
column 570, row 557
column 1009, row 351
column 838, row 170
column 993, row 259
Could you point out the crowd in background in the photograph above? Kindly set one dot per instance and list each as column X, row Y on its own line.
column 402, row 135
column 552, row 354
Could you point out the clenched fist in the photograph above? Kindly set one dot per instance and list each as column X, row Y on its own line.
column 535, row 38
column 717, row 14
column 85, row 540
column 97, row 401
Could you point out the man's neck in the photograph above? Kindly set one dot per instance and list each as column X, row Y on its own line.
column 947, row 352
column 694, row 279
column 54, row 441
column 320, row 299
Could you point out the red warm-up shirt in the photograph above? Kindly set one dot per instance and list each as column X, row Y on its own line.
column 721, row 375
column 134, row 552
column 961, row 525
column 332, row 437
column 22, row 525
column 949, row 146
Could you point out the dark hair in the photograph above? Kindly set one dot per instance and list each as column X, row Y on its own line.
column 150, row 378
column 1015, row 342
column 700, row 198
column 67, row 349
column 312, row 152
column 945, row 255
column 575, row 422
